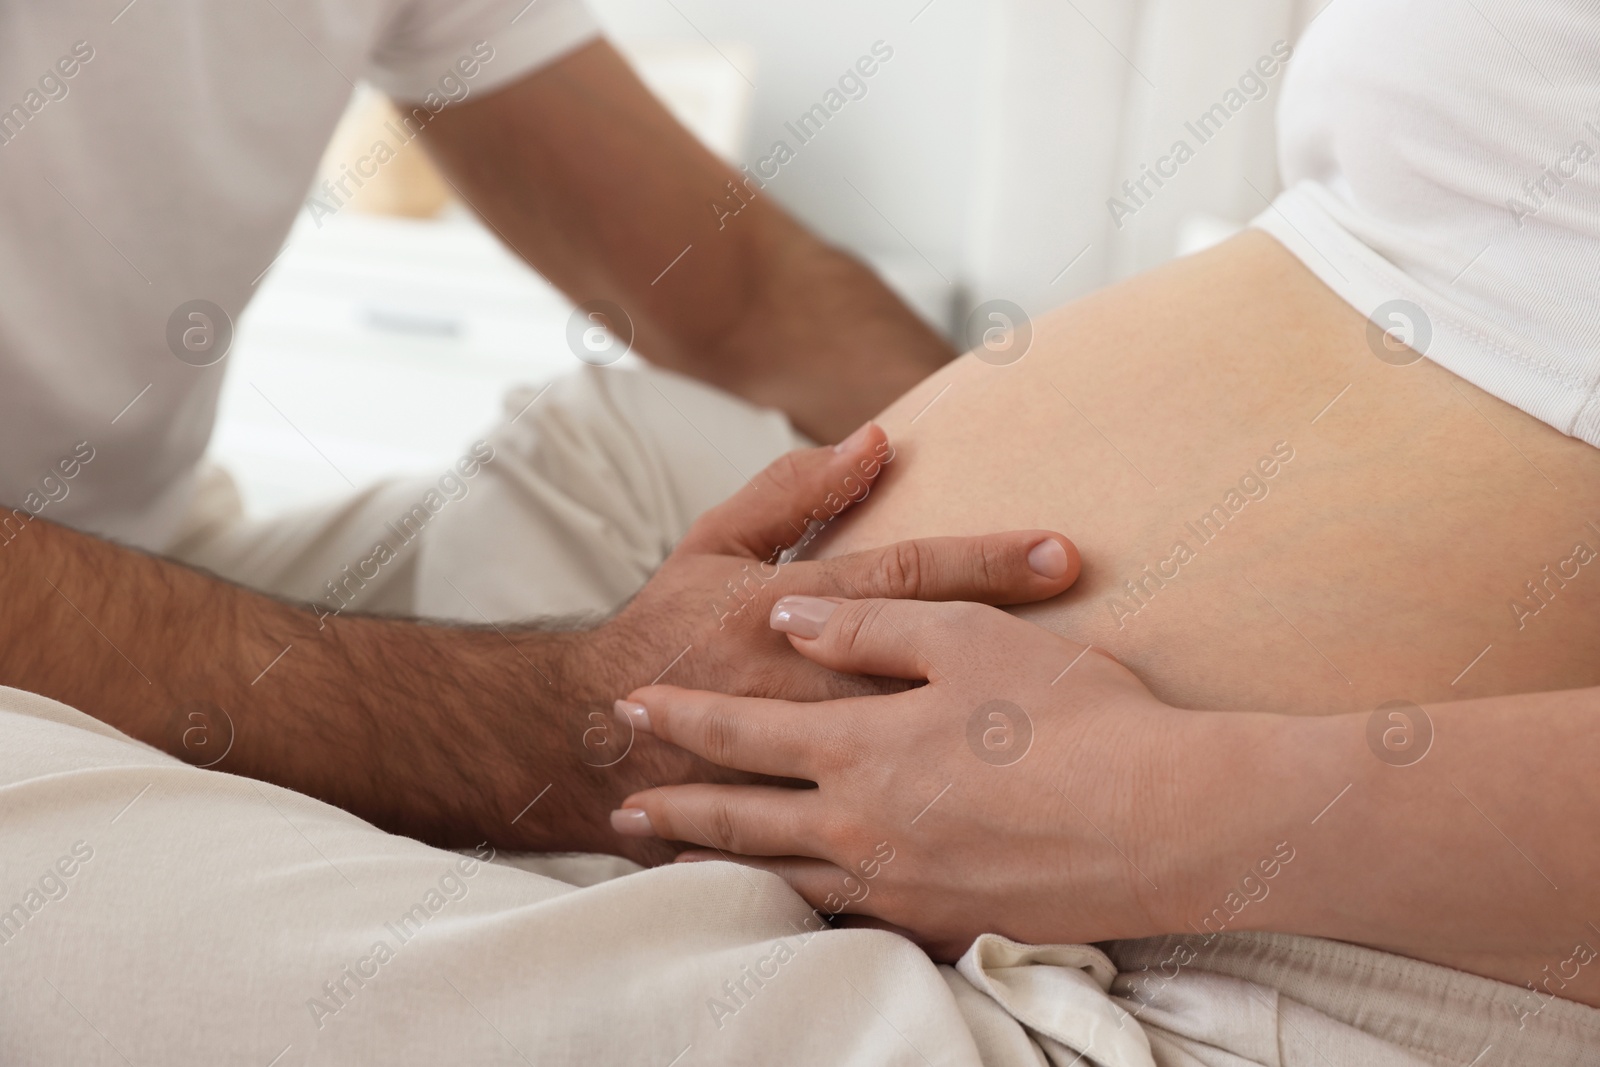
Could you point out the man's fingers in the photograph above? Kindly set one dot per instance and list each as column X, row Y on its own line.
column 1017, row 567
column 743, row 733
column 753, row 820
column 808, row 486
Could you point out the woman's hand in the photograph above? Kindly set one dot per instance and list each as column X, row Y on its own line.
column 1030, row 788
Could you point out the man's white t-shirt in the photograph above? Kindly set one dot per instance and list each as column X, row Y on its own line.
column 155, row 155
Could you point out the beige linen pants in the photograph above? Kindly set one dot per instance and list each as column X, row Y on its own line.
column 592, row 480
column 154, row 913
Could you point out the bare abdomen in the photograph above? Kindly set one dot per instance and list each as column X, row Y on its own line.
column 1246, row 545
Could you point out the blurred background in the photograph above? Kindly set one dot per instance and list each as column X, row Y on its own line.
column 978, row 165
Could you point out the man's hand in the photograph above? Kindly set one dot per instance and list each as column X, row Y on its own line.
column 702, row 620
column 456, row 734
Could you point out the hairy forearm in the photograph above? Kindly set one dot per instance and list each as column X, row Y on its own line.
column 1463, row 833
column 430, row 730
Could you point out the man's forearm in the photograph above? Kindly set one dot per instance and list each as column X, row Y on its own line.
column 584, row 174
column 821, row 338
column 429, row 730
column 1463, row 832
column 455, row 734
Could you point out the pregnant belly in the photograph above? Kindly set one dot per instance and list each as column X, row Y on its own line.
column 1271, row 517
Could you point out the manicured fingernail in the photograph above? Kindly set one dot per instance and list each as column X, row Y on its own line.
column 632, row 822
column 803, row 616
column 853, row 442
column 1048, row 558
column 636, row 715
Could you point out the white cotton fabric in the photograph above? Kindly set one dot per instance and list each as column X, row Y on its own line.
column 1449, row 156
column 168, row 168
column 1276, row 998
column 209, row 919
column 594, row 477
column 213, row 909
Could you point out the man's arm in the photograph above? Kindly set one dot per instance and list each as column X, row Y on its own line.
column 447, row 733
column 591, row 181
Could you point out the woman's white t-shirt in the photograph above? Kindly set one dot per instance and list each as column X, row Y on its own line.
column 1441, row 164
column 155, row 154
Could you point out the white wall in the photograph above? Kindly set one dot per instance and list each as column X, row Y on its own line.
column 991, row 142
column 1057, row 85
column 983, row 153
column 1193, row 57
column 907, row 146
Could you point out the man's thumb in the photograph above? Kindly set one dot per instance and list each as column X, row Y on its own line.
column 796, row 490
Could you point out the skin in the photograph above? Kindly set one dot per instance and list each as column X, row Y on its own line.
column 1414, row 512
column 584, row 173
column 1382, row 561
column 447, row 733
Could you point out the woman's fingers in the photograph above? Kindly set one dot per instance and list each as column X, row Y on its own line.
column 743, row 733
column 750, row 820
column 855, row 636
column 889, row 638
column 1015, row 567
